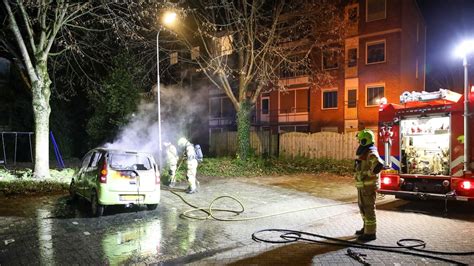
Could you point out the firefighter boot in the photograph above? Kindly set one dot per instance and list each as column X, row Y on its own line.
column 360, row 231
column 367, row 237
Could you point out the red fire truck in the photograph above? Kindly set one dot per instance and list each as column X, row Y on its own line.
column 422, row 142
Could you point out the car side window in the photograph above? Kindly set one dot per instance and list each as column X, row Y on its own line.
column 86, row 160
column 95, row 159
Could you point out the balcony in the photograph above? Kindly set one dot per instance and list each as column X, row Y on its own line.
column 277, row 116
column 295, row 81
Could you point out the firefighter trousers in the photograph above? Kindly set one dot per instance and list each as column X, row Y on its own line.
column 191, row 173
column 366, row 199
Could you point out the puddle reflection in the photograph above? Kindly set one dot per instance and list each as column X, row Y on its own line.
column 137, row 241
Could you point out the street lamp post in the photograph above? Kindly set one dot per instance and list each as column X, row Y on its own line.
column 158, row 96
column 464, row 50
column 168, row 19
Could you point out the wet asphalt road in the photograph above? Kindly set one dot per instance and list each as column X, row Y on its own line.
column 51, row 230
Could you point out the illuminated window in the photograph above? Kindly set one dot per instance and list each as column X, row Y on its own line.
column 375, row 10
column 375, row 52
column 195, row 53
column 173, row 58
column 330, row 60
column 374, row 94
column 329, row 99
column 224, row 45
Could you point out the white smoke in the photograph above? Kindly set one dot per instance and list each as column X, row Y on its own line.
column 180, row 108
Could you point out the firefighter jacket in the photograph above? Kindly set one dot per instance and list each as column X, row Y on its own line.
column 367, row 165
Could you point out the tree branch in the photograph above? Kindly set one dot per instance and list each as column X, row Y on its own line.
column 28, row 26
column 24, row 51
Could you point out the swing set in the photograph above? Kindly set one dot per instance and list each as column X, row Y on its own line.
column 11, row 135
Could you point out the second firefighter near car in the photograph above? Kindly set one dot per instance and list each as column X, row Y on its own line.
column 191, row 164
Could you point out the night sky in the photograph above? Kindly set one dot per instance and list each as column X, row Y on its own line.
column 448, row 23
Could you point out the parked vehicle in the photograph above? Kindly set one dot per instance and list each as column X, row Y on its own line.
column 114, row 177
column 422, row 141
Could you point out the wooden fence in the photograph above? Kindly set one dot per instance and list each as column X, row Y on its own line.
column 225, row 143
column 318, row 145
column 294, row 144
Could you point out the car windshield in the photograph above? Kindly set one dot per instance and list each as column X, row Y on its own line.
column 125, row 161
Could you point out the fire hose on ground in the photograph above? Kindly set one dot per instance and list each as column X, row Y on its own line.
column 416, row 248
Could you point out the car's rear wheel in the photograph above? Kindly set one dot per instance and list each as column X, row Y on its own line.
column 72, row 191
column 96, row 208
column 151, row 206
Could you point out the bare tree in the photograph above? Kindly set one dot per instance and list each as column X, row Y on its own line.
column 244, row 46
column 40, row 30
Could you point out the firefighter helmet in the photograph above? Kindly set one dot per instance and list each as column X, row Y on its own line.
column 366, row 137
column 182, row 142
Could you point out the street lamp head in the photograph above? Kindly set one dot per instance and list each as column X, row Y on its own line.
column 465, row 48
column 169, row 18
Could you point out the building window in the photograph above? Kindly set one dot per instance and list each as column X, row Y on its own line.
column 220, row 107
column 375, row 10
column 351, row 98
column 294, row 66
column 329, row 59
column 374, row 94
column 224, row 45
column 294, row 101
column 215, row 107
column 302, row 128
column 352, row 57
column 375, row 52
column 195, row 53
column 330, row 99
column 173, row 58
column 353, row 14
column 265, row 106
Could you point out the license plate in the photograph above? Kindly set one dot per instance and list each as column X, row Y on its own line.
column 131, row 198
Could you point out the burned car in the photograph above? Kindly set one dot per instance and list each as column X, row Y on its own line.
column 115, row 177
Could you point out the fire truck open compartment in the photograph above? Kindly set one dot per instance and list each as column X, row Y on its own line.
column 425, row 142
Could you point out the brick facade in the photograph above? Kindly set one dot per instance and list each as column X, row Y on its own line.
column 402, row 35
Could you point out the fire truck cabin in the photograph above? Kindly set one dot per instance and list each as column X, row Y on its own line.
column 422, row 142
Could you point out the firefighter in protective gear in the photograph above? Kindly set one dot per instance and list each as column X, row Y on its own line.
column 191, row 164
column 367, row 165
column 172, row 161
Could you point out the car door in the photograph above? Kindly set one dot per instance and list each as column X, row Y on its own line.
column 91, row 174
column 81, row 175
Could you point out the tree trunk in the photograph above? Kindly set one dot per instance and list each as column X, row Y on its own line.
column 41, row 109
column 243, row 129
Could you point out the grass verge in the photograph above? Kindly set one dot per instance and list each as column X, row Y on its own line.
column 22, row 182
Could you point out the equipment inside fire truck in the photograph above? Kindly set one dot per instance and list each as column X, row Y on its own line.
column 425, row 145
column 422, row 141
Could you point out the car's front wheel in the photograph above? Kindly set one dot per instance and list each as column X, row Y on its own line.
column 151, row 206
column 96, row 208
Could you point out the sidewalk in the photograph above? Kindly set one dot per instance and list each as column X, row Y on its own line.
column 439, row 233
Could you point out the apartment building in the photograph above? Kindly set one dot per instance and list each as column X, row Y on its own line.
column 383, row 56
